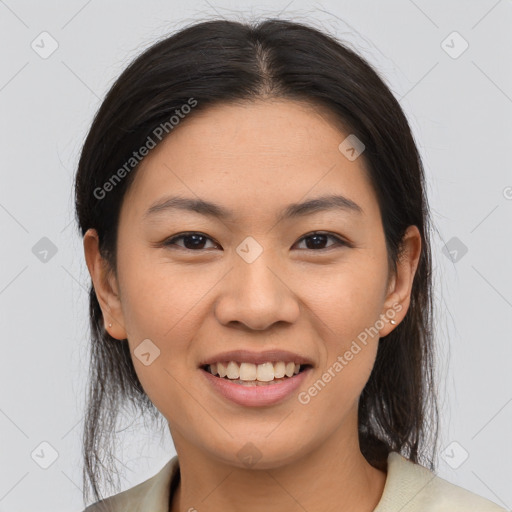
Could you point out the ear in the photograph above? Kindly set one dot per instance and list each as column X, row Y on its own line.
column 105, row 286
column 399, row 289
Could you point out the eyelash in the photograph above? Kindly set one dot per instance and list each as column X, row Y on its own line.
column 339, row 242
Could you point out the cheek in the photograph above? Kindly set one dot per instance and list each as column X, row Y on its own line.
column 167, row 304
column 345, row 305
column 160, row 298
column 347, row 299
column 162, row 303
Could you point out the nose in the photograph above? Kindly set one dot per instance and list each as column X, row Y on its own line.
column 256, row 295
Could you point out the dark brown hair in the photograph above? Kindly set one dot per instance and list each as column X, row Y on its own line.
column 222, row 61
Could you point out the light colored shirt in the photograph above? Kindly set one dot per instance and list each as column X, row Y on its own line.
column 409, row 487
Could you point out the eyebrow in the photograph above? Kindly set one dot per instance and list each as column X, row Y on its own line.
column 209, row 209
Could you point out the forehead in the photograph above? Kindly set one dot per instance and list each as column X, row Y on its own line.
column 252, row 157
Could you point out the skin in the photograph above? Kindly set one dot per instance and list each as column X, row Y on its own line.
column 256, row 158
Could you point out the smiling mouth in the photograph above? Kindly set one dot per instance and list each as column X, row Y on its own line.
column 249, row 374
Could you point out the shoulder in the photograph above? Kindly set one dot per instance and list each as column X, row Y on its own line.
column 152, row 495
column 411, row 487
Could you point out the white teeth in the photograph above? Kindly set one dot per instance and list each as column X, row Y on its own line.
column 279, row 370
column 290, row 369
column 233, row 370
column 221, row 370
column 265, row 372
column 248, row 372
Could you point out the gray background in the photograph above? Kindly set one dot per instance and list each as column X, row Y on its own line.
column 459, row 107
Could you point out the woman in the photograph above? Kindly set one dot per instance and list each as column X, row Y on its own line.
column 257, row 233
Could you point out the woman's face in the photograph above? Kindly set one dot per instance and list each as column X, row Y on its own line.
column 253, row 280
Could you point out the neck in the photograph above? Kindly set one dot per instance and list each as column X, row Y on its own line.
column 333, row 478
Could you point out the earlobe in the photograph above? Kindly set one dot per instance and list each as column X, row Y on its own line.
column 393, row 313
column 105, row 286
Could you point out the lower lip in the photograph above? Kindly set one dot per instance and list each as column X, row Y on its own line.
column 256, row 396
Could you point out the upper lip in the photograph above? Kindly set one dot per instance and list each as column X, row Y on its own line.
column 246, row 356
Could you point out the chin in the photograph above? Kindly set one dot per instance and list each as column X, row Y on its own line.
column 258, row 452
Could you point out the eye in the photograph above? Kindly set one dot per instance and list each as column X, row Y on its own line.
column 191, row 241
column 319, row 239
column 195, row 241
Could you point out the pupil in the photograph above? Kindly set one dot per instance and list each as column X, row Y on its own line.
column 316, row 245
column 195, row 245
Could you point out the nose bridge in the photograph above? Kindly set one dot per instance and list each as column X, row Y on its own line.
column 256, row 281
column 255, row 293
